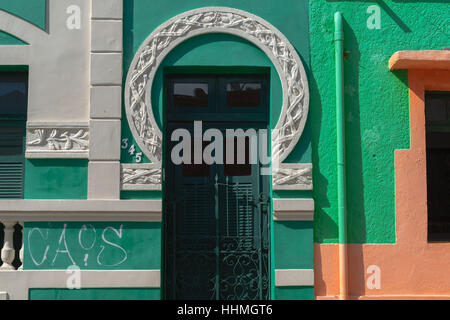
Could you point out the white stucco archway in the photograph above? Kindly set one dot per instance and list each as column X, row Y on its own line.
column 205, row 20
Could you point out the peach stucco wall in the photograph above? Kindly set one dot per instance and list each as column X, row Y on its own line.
column 412, row 267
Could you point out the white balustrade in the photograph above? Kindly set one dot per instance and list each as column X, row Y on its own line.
column 21, row 248
column 8, row 253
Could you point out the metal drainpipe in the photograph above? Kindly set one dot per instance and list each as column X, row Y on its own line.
column 340, row 129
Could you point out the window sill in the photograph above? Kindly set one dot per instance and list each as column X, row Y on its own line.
column 420, row 59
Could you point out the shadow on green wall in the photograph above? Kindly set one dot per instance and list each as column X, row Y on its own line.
column 356, row 214
column 386, row 9
column 328, row 227
column 354, row 169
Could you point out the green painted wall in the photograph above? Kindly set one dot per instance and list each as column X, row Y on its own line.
column 56, row 179
column 95, row 294
column 33, row 11
column 293, row 247
column 92, row 245
column 8, row 40
column 294, row 293
column 140, row 195
column 377, row 115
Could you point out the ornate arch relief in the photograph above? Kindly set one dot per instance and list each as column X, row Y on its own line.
column 242, row 24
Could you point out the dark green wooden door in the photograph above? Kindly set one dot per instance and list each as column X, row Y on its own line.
column 216, row 215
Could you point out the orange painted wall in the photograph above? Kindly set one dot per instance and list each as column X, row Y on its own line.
column 411, row 268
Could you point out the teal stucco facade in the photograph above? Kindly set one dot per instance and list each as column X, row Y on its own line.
column 92, row 173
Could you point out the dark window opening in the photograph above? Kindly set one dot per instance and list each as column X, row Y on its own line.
column 13, row 95
column 437, row 112
column 13, row 112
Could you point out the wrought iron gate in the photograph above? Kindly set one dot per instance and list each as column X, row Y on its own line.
column 219, row 248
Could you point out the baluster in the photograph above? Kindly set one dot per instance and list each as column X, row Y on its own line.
column 21, row 248
column 8, row 251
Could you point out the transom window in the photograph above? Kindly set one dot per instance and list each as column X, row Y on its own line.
column 234, row 97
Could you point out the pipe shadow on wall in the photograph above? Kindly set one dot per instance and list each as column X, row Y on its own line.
column 324, row 226
column 356, row 218
column 382, row 4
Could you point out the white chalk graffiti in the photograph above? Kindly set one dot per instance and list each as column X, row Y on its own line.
column 119, row 234
column 29, row 246
column 62, row 238
column 84, row 228
column 87, row 241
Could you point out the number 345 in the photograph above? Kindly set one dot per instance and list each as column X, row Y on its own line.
column 131, row 150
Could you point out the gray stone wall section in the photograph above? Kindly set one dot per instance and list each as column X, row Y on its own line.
column 105, row 99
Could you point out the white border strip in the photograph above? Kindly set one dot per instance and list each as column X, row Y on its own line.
column 294, row 277
column 57, row 154
column 293, row 209
column 81, row 210
column 17, row 283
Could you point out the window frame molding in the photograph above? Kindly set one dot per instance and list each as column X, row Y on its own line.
column 426, row 69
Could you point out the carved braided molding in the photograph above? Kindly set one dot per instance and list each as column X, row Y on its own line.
column 141, row 177
column 293, row 176
column 216, row 20
column 57, row 140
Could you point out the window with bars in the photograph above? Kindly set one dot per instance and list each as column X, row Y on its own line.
column 437, row 114
column 13, row 112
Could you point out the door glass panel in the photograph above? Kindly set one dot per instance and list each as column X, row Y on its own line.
column 243, row 94
column 190, row 95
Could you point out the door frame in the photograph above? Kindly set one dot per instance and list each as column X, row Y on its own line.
column 266, row 182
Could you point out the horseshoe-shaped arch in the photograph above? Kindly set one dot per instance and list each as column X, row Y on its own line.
column 138, row 86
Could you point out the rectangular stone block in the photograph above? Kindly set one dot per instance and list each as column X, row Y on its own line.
column 106, row 68
column 105, row 140
column 106, row 35
column 106, row 102
column 104, row 180
column 107, row 9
